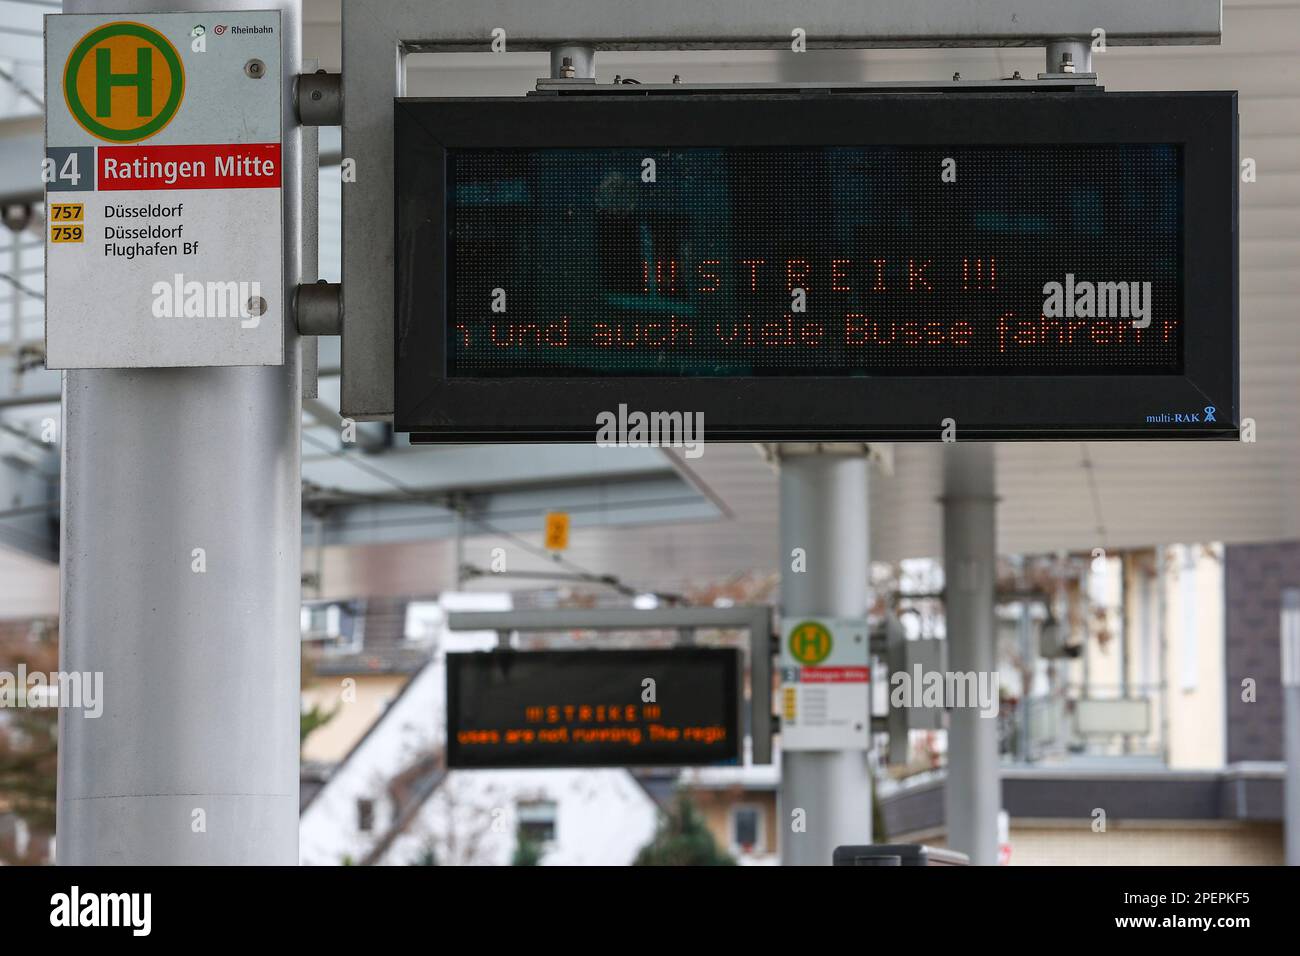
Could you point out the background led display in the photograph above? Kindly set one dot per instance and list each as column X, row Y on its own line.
column 589, row 708
column 863, row 260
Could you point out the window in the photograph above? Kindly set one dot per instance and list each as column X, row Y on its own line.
column 424, row 621
column 332, row 626
column 537, row 820
column 365, row 815
column 747, row 828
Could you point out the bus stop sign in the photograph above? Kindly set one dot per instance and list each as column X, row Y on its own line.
column 163, row 177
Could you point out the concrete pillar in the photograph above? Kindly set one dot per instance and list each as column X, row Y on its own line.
column 824, row 512
column 973, row 795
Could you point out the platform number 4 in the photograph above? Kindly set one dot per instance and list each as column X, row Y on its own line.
column 54, row 173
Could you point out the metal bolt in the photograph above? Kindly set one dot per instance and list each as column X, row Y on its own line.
column 255, row 68
column 566, row 68
column 256, row 305
column 1015, row 75
column 1067, row 63
column 956, row 77
column 315, row 94
column 677, row 77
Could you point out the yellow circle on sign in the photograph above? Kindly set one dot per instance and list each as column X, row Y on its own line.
column 123, row 82
column 810, row 643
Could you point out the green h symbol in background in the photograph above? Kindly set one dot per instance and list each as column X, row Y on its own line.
column 141, row 79
column 810, row 643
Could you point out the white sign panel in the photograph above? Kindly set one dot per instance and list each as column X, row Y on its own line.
column 163, row 176
column 825, row 684
column 1128, row 716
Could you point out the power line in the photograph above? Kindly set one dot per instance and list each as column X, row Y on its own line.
column 20, row 87
column 20, row 287
column 1090, row 472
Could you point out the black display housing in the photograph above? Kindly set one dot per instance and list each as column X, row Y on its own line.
column 435, row 406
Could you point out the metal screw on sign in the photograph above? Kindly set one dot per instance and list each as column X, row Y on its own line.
column 255, row 68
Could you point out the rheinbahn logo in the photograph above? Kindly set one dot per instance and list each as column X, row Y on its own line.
column 123, row 82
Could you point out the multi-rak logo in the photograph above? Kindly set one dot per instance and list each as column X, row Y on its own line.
column 1204, row 417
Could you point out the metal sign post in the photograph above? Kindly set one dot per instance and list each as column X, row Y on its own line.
column 180, row 561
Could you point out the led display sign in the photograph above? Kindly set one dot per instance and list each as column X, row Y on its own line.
column 830, row 266
column 670, row 707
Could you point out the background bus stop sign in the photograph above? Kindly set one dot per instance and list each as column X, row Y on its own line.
column 825, row 684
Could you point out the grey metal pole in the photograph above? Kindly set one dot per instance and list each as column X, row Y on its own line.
column 195, row 757
column 973, row 795
column 1025, row 640
column 16, row 307
column 1291, row 734
column 824, row 512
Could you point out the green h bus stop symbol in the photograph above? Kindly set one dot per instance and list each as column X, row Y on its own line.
column 123, row 82
column 141, row 81
column 810, row 643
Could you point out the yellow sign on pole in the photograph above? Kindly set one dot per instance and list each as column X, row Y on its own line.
column 557, row 530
